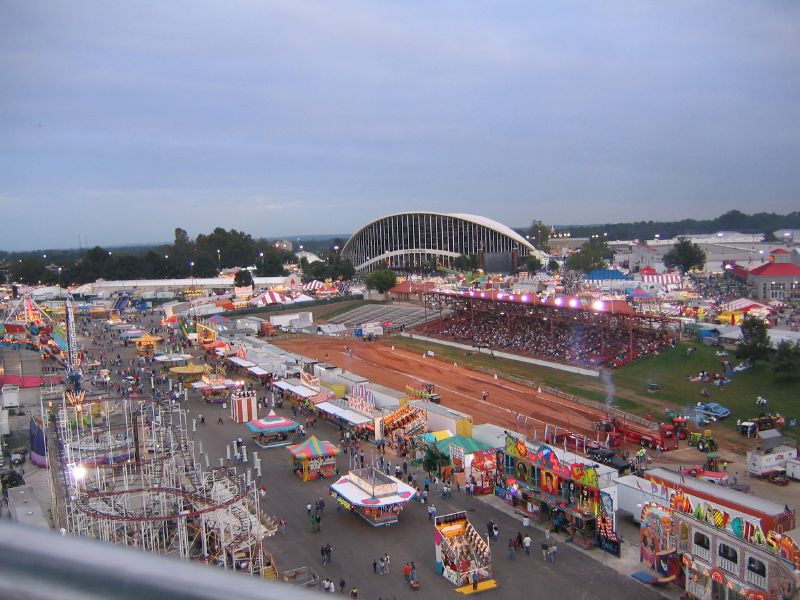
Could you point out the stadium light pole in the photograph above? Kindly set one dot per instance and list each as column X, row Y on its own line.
column 219, row 263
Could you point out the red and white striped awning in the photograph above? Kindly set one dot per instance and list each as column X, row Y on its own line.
column 743, row 304
column 663, row 279
column 268, row 298
column 313, row 285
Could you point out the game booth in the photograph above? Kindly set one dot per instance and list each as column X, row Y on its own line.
column 273, row 431
column 314, row 459
column 540, row 486
column 461, row 551
column 374, row 496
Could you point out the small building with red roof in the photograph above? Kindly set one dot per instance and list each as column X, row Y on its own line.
column 778, row 279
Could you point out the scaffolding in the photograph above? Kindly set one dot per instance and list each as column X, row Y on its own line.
column 123, row 470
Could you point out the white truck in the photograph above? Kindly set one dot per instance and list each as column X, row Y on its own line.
column 793, row 468
column 770, row 453
column 11, row 398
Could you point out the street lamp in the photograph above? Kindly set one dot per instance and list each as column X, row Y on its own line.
column 191, row 270
column 59, row 277
column 219, row 264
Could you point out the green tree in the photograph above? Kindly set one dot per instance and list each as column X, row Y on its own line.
column 755, row 342
column 30, row 269
column 533, row 264
column 685, row 255
column 787, row 358
column 381, row 280
column 593, row 254
column 465, row 262
column 539, row 233
column 552, row 265
column 243, row 278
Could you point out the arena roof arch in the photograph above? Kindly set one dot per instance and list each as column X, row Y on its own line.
column 411, row 239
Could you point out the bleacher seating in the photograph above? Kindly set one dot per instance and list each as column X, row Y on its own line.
column 405, row 316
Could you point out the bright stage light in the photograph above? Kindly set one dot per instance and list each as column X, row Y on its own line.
column 573, row 302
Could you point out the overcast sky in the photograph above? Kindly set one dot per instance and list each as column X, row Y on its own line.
column 120, row 121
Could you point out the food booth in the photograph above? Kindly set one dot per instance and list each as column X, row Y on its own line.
column 314, row 459
column 460, row 550
column 374, row 496
column 273, row 431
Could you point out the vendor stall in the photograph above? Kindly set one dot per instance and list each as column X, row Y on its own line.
column 273, row 431
column 314, row 459
column 146, row 345
column 244, row 406
column 460, row 550
column 376, row 497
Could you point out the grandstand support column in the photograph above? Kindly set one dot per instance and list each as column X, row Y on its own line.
column 630, row 343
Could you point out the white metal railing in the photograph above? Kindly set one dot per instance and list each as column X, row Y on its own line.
column 701, row 552
column 728, row 565
column 695, row 589
column 756, row 579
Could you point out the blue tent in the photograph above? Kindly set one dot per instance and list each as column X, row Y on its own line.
column 607, row 274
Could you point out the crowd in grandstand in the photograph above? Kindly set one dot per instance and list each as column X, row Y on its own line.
column 583, row 344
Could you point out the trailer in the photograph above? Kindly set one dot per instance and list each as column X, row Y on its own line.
column 653, row 435
column 793, row 468
column 770, row 454
column 11, row 398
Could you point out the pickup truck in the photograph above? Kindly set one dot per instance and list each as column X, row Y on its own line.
column 712, row 410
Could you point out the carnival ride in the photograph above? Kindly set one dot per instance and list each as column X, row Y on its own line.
column 129, row 476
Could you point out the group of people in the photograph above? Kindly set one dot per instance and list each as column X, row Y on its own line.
column 579, row 343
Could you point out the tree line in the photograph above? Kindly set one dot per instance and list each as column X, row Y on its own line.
column 203, row 256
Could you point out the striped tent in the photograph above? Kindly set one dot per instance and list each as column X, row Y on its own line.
column 268, row 298
column 313, row 285
column 313, row 448
column 663, row 279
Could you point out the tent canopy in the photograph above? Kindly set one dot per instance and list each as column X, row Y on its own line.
column 272, row 424
column 313, row 448
column 469, row 445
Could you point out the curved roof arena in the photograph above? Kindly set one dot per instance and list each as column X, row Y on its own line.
column 409, row 239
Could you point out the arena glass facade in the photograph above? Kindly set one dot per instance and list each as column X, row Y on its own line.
column 412, row 239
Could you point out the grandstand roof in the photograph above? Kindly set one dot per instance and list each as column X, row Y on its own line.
column 478, row 220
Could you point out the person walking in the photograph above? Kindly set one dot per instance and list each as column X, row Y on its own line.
column 328, row 553
column 374, row 567
column 475, row 580
column 386, row 561
column 511, row 552
column 324, row 555
column 545, row 550
column 354, row 592
column 381, row 566
column 341, row 585
column 526, row 543
column 220, row 421
column 308, row 508
column 407, row 573
column 553, row 551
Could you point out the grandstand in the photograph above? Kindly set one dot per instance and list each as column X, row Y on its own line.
column 571, row 335
column 398, row 316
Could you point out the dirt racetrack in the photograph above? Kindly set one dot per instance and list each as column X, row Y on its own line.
column 509, row 405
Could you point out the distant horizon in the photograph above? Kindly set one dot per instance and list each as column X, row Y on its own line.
column 121, row 119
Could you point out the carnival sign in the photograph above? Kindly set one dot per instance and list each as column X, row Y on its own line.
column 457, row 456
column 309, row 382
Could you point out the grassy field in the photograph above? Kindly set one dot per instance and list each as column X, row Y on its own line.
column 627, row 387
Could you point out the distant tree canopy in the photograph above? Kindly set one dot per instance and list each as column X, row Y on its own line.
column 593, row 254
column 685, row 255
column 465, row 262
column 755, row 342
column 243, row 278
column 381, row 280
column 733, row 220
column 787, row 358
column 533, row 264
column 538, row 234
column 219, row 249
column 334, row 268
